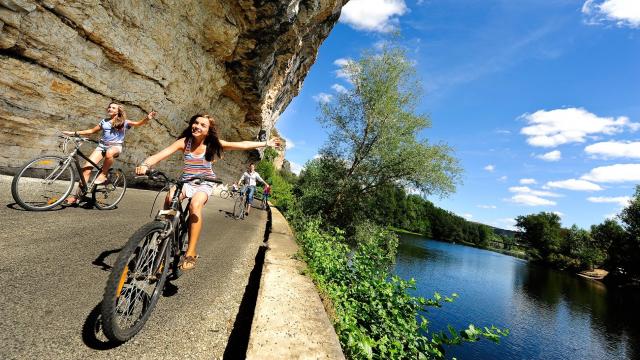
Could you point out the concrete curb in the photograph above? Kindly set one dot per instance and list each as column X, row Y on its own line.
column 289, row 320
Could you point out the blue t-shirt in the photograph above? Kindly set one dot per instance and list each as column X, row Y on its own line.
column 111, row 135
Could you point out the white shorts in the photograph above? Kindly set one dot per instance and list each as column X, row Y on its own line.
column 190, row 189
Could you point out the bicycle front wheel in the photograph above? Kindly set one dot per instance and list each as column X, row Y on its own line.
column 107, row 196
column 136, row 282
column 43, row 183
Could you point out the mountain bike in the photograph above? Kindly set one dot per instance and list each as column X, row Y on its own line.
column 151, row 255
column 45, row 182
column 240, row 206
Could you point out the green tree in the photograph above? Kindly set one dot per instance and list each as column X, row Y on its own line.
column 542, row 232
column 628, row 251
column 373, row 135
column 610, row 237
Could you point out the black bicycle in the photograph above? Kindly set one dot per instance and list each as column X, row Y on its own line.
column 45, row 182
column 240, row 205
column 152, row 254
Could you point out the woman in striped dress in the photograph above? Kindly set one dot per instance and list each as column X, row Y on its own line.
column 200, row 144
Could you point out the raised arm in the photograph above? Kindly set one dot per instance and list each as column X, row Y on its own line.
column 94, row 129
column 163, row 154
column 144, row 120
column 248, row 145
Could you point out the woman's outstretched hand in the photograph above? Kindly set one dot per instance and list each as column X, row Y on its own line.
column 151, row 115
column 142, row 169
column 274, row 142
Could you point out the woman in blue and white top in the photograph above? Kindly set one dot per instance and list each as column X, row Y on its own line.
column 110, row 146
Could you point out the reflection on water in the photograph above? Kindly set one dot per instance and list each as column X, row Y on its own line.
column 551, row 314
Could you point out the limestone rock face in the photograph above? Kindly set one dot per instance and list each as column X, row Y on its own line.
column 62, row 62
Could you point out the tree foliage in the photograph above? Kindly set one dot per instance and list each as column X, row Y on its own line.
column 374, row 139
column 611, row 245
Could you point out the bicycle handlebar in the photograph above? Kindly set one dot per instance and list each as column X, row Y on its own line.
column 154, row 174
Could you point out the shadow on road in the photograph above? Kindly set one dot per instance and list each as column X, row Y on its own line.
column 239, row 337
column 99, row 261
column 92, row 335
column 15, row 206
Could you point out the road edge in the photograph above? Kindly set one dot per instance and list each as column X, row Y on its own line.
column 290, row 321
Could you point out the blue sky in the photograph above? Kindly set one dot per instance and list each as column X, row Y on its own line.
column 539, row 98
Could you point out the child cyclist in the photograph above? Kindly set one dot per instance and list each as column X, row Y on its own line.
column 200, row 144
column 110, row 146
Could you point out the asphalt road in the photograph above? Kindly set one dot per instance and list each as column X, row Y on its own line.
column 54, row 266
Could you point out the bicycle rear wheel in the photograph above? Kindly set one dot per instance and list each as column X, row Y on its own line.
column 136, row 282
column 224, row 194
column 107, row 196
column 43, row 183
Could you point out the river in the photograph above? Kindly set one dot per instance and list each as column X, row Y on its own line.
column 551, row 314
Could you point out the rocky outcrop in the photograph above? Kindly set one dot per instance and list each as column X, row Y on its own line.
column 62, row 62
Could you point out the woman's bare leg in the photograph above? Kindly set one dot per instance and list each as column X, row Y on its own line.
column 198, row 201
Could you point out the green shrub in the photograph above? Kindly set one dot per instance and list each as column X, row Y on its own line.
column 376, row 317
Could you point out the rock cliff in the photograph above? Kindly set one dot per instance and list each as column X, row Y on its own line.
column 62, row 62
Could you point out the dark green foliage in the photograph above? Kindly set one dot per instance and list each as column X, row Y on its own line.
column 610, row 245
column 542, row 232
column 376, row 317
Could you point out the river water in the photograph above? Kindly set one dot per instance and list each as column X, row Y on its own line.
column 551, row 314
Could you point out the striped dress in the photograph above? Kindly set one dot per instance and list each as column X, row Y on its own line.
column 195, row 164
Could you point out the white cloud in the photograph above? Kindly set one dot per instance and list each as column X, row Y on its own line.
column 574, row 184
column 554, row 155
column 558, row 213
column 467, row 216
column 504, row 132
column 527, row 190
column 317, row 156
column 622, row 12
column 323, row 98
column 486, row 206
column 289, row 143
column 562, row 126
column 531, row 200
column 490, row 168
column 339, row 88
column 503, row 178
column 614, row 173
column 528, row 181
column 342, row 72
column 342, row 62
column 373, row 15
column 615, row 149
column 620, row 200
column 296, row 168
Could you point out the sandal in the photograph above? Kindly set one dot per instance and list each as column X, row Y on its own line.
column 71, row 201
column 100, row 181
column 188, row 262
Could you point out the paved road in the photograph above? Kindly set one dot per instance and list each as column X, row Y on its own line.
column 54, row 266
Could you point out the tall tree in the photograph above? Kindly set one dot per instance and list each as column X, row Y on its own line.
column 374, row 133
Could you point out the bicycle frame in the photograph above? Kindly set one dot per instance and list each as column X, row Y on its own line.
column 84, row 186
